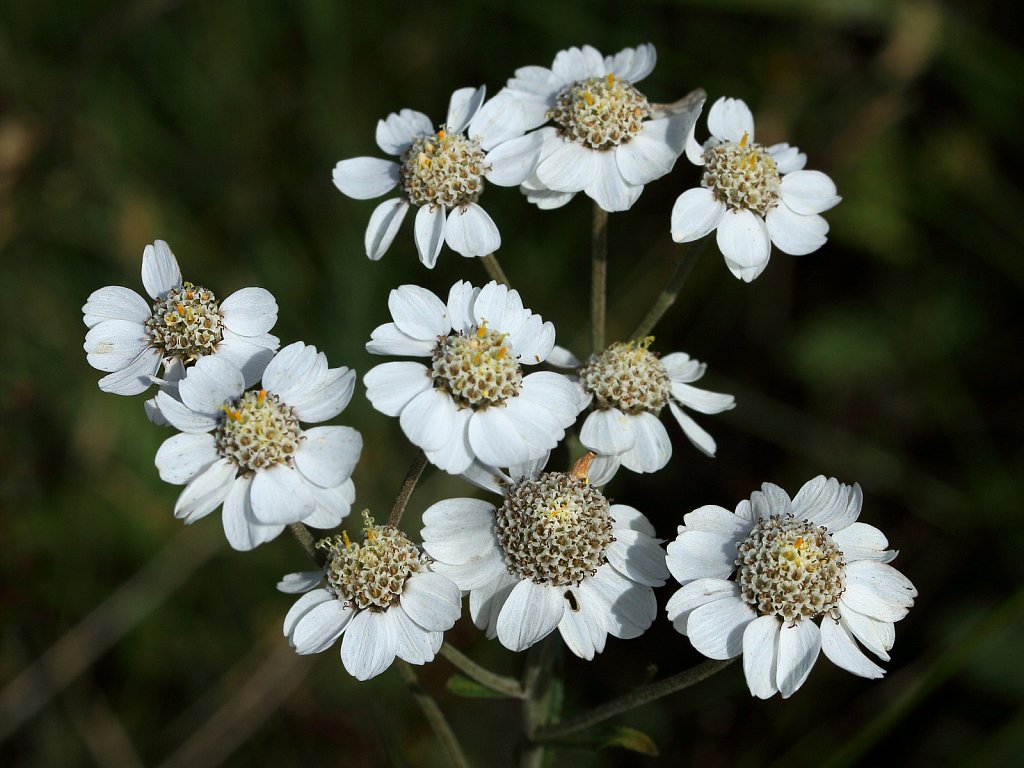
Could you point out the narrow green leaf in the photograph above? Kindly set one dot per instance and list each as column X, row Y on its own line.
column 461, row 685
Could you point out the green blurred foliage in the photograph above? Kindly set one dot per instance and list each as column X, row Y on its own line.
column 885, row 358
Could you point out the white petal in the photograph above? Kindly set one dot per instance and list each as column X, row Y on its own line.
column 633, row 64
column 787, row 159
column 716, row 628
column 501, row 119
column 696, row 213
column 878, row 590
column 324, row 397
column 302, row 581
column 578, row 64
column 701, row 400
column 280, row 496
column 469, row 231
column 396, row 132
column 456, row 454
column 384, row 223
column 432, row 601
column 321, row 626
column 302, row 606
column 495, row 440
column 718, row 520
column 487, row 600
column 369, row 645
column 557, row 392
column 135, row 377
column 242, row 532
column 461, row 299
column 390, row 386
column 838, row 645
column 639, row 557
column 695, row 594
column 647, row 156
column 533, row 340
column 799, row 645
column 827, row 502
column 250, row 354
column 730, row 119
column 582, row 627
column 114, row 344
column 418, row 312
column 560, row 357
column 808, row 192
column 627, row 518
column 206, row 492
column 292, row 369
column 513, row 162
column 462, row 106
column 386, row 339
column 701, row 554
column 652, row 448
column 770, row 500
column 628, row 608
column 332, row 505
column 569, row 167
column 429, row 419
column 760, row 655
column 608, row 188
column 877, row 636
column 412, row 643
column 328, row 455
column 546, row 199
column 160, row 271
column 452, row 515
column 795, row 233
column 608, row 431
column 860, row 541
column 210, row 383
column 683, row 368
column 250, row 311
column 743, row 239
column 429, row 232
column 180, row 417
column 182, row 457
column 115, row 303
column 530, row 613
column 364, row 178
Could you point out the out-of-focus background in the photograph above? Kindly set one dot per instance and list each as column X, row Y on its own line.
column 890, row 357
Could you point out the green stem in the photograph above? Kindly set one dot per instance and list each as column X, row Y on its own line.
column 631, row 700
column 305, row 538
column 438, row 722
column 411, row 478
column 497, row 274
column 670, row 292
column 536, row 711
column 500, row 683
column 599, row 277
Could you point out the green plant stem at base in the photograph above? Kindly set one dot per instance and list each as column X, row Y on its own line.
column 599, row 277
column 434, row 715
column 408, row 485
column 632, row 700
column 536, row 703
column 490, row 262
column 500, row 683
column 670, row 292
column 308, row 543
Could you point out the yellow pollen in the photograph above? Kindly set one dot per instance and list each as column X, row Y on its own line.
column 581, row 469
column 440, row 134
column 799, row 542
column 262, row 396
column 611, row 79
column 589, row 97
column 345, row 538
column 501, row 353
column 477, row 358
column 181, row 309
column 188, row 295
column 482, row 330
column 369, row 535
column 743, row 141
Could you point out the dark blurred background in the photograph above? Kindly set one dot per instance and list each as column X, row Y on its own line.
column 887, row 357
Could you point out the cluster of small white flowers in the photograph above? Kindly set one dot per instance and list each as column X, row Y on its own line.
column 777, row 581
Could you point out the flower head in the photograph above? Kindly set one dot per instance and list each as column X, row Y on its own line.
column 607, row 139
column 248, row 451
column 779, row 580
column 474, row 400
column 554, row 553
column 441, row 172
column 751, row 194
column 130, row 338
column 380, row 593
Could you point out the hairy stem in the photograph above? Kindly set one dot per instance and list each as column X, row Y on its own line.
column 670, row 292
column 500, row 683
column 438, row 722
column 411, row 478
column 305, row 538
column 497, row 274
column 599, row 277
column 631, row 700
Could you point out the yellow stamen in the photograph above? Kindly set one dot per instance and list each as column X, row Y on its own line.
column 799, row 542
column 188, row 295
column 181, row 309
column 611, row 79
column 345, row 538
column 440, row 134
column 482, row 330
column 261, row 396
column 501, row 353
column 581, row 469
column 589, row 98
column 369, row 535
column 743, row 141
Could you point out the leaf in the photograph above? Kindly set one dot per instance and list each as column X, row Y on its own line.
column 631, row 739
column 461, row 685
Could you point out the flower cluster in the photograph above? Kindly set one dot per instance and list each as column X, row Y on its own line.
column 777, row 581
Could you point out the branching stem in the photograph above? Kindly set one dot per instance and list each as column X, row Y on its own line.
column 499, row 683
column 599, row 277
column 408, row 485
column 670, row 292
column 490, row 262
column 438, row 722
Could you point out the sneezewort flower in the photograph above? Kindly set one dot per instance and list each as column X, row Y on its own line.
column 130, row 337
column 779, row 580
column 247, row 449
column 607, row 140
column 441, row 172
column 381, row 594
column 751, row 194
column 474, row 400
column 553, row 553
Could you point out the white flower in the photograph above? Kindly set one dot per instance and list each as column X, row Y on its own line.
column 791, row 563
column 753, row 195
column 630, row 386
column 442, row 173
column 607, row 139
column 248, row 451
column 473, row 401
column 381, row 594
column 553, row 553
column 129, row 338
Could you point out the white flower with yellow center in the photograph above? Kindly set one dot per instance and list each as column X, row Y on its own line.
column 381, row 594
column 629, row 387
column 751, row 194
column 130, row 337
column 607, row 140
column 758, row 581
column 442, row 174
column 247, row 450
column 474, row 400
column 552, row 554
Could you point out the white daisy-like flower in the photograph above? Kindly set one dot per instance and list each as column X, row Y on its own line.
column 753, row 195
column 473, row 401
column 629, row 386
column 758, row 580
column 552, row 554
column 247, row 450
column 442, row 173
column 381, row 594
column 607, row 140
column 130, row 337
